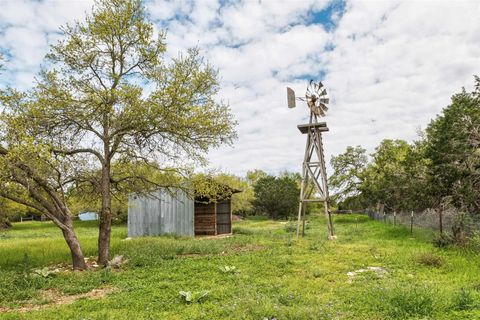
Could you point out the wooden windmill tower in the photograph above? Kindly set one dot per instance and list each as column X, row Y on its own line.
column 314, row 176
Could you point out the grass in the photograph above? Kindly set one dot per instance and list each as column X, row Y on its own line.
column 275, row 274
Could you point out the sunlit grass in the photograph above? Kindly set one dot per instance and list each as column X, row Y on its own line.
column 278, row 275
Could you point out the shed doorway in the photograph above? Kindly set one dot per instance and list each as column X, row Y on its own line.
column 213, row 218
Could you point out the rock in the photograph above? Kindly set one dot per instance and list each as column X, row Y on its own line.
column 117, row 261
column 379, row 271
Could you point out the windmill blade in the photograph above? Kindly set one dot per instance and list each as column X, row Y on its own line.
column 309, row 88
column 317, row 98
column 325, row 100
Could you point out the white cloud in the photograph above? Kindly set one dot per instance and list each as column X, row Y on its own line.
column 389, row 66
column 27, row 28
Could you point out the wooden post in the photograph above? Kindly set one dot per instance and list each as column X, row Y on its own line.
column 411, row 223
column 440, row 219
column 303, row 219
column 394, row 218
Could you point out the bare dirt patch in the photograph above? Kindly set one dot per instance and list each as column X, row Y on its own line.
column 52, row 297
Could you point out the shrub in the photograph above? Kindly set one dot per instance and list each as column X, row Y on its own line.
column 430, row 260
column 462, row 225
column 474, row 241
column 442, row 240
column 290, row 227
column 276, row 197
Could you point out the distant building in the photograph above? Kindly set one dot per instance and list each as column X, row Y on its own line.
column 88, row 216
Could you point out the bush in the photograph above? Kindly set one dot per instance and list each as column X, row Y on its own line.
column 442, row 240
column 430, row 260
column 276, row 197
column 290, row 227
column 474, row 241
column 462, row 224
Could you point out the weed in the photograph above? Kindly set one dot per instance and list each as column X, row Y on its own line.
column 317, row 273
column 430, row 260
column 402, row 302
column 290, row 227
column 289, row 242
column 443, row 240
column 193, row 297
column 315, row 246
column 463, row 300
column 474, row 241
column 43, row 272
column 228, row 269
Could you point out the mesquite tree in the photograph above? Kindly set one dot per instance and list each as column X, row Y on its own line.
column 108, row 95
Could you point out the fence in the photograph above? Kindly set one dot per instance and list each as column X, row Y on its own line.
column 427, row 219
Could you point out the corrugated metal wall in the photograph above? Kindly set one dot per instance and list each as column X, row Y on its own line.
column 161, row 213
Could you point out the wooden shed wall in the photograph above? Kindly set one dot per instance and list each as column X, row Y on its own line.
column 205, row 219
column 213, row 218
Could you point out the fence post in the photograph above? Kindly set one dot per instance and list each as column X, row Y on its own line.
column 394, row 218
column 411, row 223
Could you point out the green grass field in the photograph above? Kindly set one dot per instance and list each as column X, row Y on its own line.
column 275, row 275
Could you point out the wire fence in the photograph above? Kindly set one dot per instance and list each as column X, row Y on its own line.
column 427, row 219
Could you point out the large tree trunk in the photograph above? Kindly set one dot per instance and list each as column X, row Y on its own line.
column 105, row 218
column 78, row 259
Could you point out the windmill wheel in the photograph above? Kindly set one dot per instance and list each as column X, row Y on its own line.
column 317, row 98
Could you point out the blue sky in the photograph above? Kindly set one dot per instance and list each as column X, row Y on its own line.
column 389, row 66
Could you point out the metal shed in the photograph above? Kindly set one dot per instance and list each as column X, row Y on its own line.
column 177, row 213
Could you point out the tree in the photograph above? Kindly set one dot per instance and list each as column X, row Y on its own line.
column 453, row 147
column 276, row 197
column 4, row 223
column 91, row 104
column 254, row 175
column 241, row 201
column 31, row 175
column 384, row 179
column 347, row 168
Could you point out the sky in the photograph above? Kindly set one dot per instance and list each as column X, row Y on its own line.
column 389, row 66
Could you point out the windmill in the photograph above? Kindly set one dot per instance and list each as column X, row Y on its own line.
column 314, row 176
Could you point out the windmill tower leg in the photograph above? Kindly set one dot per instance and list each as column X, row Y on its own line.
column 314, row 176
column 328, row 215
